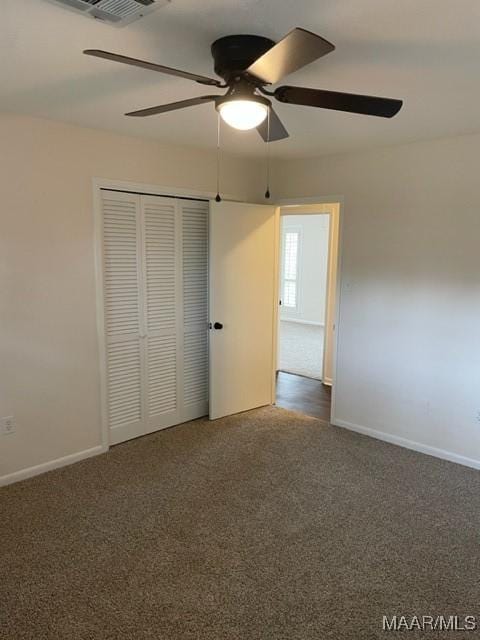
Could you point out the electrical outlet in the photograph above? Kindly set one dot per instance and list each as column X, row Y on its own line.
column 8, row 425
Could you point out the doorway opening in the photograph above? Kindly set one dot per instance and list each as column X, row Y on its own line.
column 305, row 326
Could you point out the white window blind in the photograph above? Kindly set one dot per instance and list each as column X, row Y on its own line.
column 291, row 241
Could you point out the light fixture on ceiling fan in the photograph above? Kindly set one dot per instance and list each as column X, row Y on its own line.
column 247, row 65
column 243, row 113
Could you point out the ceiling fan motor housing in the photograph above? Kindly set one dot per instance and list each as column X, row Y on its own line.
column 234, row 54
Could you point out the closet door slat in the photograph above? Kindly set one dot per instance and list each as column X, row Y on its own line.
column 122, row 313
column 160, row 237
column 160, row 263
column 120, row 267
column 195, row 307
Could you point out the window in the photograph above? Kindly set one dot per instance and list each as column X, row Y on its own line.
column 291, row 242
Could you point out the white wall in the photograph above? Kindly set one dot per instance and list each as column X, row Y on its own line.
column 408, row 364
column 49, row 378
column 312, row 267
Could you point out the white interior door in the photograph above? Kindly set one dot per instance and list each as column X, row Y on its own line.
column 242, row 291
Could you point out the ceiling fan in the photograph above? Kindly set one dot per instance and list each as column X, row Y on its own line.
column 247, row 65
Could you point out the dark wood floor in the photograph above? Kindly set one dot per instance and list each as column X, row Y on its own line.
column 305, row 395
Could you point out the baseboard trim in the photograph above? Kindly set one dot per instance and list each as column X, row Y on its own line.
column 408, row 444
column 299, row 321
column 30, row 472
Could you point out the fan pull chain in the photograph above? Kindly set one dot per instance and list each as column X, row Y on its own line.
column 218, row 197
column 267, row 192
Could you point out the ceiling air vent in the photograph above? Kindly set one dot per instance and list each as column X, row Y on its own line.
column 116, row 12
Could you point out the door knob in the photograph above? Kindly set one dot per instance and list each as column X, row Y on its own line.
column 218, row 325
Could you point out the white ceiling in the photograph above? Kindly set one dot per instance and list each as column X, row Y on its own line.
column 424, row 51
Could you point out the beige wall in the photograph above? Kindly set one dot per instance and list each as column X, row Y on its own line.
column 409, row 344
column 408, row 365
column 49, row 377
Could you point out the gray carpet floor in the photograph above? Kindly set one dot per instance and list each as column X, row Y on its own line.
column 266, row 525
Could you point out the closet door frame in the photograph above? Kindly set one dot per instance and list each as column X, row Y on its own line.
column 99, row 184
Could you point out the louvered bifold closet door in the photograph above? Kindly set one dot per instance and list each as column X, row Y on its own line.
column 163, row 299
column 194, row 216
column 122, row 314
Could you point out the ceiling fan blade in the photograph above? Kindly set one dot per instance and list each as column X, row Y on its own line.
column 115, row 57
column 351, row 102
column 297, row 49
column 172, row 106
column 276, row 128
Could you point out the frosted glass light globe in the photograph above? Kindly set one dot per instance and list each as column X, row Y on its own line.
column 243, row 114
